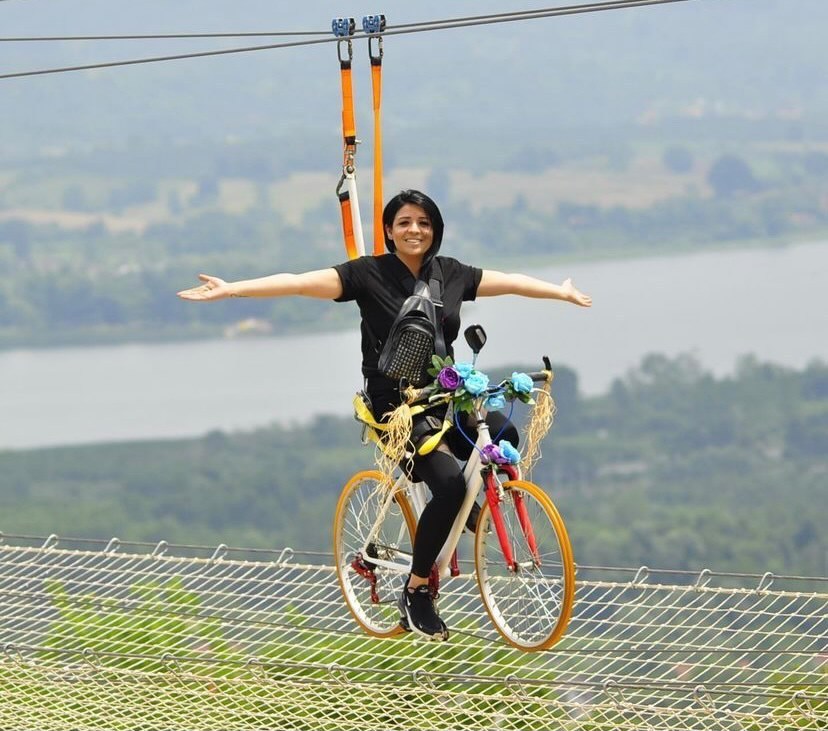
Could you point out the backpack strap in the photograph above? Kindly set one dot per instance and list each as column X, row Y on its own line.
column 435, row 287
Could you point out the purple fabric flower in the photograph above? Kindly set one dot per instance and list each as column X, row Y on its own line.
column 448, row 378
column 492, row 453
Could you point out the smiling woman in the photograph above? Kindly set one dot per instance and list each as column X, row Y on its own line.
column 381, row 286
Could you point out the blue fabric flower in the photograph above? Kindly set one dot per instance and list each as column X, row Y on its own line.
column 508, row 451
column 521, row 382
column 476, row 382
column 495, row 402
column 464, row 369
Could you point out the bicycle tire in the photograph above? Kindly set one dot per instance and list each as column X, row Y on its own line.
column 356, row 513
column 532, row 605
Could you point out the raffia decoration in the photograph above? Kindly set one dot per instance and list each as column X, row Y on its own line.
column 394, row 442
column 543, row 414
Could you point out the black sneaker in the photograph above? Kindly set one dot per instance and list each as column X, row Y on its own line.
column 417, row 614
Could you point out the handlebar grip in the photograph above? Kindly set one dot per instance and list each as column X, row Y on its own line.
column 544, row 374
column 411, row 394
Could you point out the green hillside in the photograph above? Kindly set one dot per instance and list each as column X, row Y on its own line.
column 673, row 468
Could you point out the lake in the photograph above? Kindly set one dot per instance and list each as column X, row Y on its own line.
column 718, row 306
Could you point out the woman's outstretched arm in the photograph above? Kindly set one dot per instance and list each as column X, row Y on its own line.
column 321, row 283
column 495, row 283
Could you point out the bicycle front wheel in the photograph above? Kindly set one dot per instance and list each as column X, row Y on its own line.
column 361, row 533
column 529, row 602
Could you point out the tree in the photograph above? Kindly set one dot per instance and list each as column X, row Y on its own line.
column 730, row 175
column 677, row 159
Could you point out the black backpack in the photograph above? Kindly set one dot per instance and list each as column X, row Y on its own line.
column 416, row 335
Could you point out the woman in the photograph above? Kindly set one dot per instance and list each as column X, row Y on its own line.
column 379, row 285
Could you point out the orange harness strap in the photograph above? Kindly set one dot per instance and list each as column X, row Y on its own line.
column 376, row 85
column 346, row 189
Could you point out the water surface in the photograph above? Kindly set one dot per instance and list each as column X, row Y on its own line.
column 771, row 302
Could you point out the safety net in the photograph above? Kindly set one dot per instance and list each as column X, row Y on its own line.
column 116, row 635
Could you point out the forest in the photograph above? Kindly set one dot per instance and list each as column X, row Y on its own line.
column 77, row 273
column 672, row 468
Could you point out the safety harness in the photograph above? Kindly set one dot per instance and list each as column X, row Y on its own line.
column 346, row 189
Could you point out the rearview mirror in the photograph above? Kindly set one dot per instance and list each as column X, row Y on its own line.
column 476, row 337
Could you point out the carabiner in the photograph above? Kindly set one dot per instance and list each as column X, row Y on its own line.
column 373, row 25
column 345, row 61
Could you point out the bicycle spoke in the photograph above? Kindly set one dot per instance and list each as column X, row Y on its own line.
column 367, row 526
column 529, row 605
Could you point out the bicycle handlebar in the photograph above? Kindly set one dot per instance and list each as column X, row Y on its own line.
column 413, row 395
column 544, row 374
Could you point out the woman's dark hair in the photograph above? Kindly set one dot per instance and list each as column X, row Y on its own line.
column 416, row 198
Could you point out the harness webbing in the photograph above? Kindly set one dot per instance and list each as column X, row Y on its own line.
column 376, row 86
column 348, row 199
column 346, row 190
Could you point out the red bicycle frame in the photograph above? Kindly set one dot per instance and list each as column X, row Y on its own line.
column 494, row 500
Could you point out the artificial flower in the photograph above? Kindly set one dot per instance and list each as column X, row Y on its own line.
column 476, row 382
column 495, row 401
column 449, row 378
column 510, row 454
column 521, row 382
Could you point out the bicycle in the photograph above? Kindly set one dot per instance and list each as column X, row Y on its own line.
column 522, row 554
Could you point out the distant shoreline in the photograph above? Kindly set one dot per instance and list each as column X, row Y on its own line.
column 92, row 337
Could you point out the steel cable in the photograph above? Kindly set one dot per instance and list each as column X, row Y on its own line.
column 421, row 27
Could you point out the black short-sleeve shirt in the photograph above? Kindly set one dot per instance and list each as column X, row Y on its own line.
column 380, row 285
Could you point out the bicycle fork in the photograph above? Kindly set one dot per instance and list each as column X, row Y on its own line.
column 494, row 496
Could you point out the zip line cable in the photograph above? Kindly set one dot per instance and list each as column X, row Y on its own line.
column 165, row 36
column 425, row 26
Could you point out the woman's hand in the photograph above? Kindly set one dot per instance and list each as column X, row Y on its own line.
column 212, row 289
column 574, row 295
column 494, row 283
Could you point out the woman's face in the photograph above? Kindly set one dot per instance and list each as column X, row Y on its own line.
column 411, row 231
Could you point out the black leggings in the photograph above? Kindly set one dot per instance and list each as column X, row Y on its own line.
column 444, row 477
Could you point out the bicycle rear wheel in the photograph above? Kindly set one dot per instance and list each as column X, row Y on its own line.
column 529, row 603
column 371, row 591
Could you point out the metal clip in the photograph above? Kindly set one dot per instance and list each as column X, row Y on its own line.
column 376, row 57
column 50, row 542
column 219, row 553
column 703, row 579
column 172, row 664
column 350, row 47
column 803, row 704
column 160, row 549
column 113, row 545
column 286, row 555
column 256, row 668
column 702, row 697
column 13, row 654
column 338, row 674
column 424, row 678
column 765, row 582
column 615, row 694
column 516, row 687
column 641, row 575
column 90, row 657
